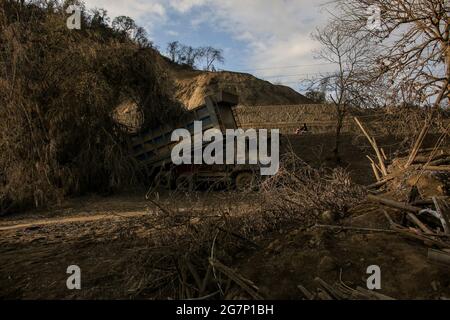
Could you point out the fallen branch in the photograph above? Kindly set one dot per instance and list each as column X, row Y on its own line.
column 439, row 256
column 394, row 204
column 426, row 239
column 411, row 217
column 437, row 168
column 323, row 226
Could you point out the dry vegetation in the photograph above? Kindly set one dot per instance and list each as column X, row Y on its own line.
column 58, row 91
column 299, row 188
column 190, row 249
column 61, row 94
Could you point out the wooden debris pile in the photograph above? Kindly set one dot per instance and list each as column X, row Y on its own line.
column 425, row 169
column 426, row 221
column 420, row 178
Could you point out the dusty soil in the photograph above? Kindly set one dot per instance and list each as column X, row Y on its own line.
column 299, row 256
column 111, row 251
column 111, row 239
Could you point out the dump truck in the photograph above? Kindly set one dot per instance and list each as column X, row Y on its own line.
column 153, row 148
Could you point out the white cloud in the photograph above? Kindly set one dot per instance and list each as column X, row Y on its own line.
column 186, row 5
column 277, row 33
column 173, row 33
column 146, row 12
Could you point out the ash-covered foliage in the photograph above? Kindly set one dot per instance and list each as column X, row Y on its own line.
column 58, row 92
column 303, row 193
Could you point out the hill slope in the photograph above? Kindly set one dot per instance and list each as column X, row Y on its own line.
column 191, row 86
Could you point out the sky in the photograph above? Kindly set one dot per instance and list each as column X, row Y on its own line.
column 268, row 38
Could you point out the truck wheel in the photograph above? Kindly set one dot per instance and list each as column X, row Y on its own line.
column 244, row 181
column 185, row 183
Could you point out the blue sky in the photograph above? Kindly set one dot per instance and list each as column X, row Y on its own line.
column 268, row 38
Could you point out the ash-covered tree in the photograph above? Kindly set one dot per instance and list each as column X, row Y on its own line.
column 414, row 37
column 347, row 86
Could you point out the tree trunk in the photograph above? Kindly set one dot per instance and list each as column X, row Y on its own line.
column 337, row 141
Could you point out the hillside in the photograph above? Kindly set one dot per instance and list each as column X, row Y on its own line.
column 191, row 86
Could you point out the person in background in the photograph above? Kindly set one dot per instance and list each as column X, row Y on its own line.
column 300, row 131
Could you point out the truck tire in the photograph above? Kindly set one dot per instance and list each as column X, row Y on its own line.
column 185, row 183
column 244, row 181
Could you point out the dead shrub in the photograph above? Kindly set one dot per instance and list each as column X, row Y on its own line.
column 184, row 238
column 301, row 192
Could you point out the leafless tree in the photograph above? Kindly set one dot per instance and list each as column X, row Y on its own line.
column 345, row 86
column 184, row 54
column 190, row 55
column 414, row 36
column 128, row 27
column 173, row 49
column 212, row 55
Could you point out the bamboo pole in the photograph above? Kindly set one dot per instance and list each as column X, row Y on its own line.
column 417, row 144
column 437, row 168
column 374, row 145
